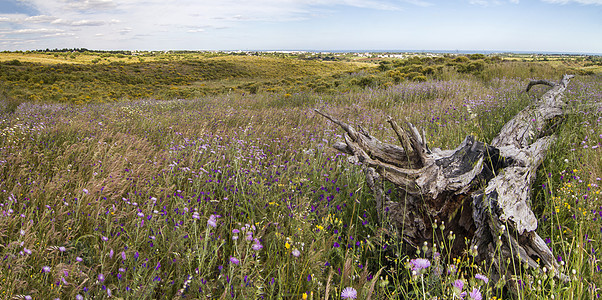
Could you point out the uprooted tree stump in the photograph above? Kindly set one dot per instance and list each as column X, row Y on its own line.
column 481, row 191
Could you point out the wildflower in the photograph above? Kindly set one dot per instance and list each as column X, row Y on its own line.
column 475, row 294
column 482, row 277
column 349, row 293
column 257, row 246
column 86, row 191
column 104, row 238
column 296, row 253
column 304, row 296
column 79, row 259
column 101, row 277
column 46, row 269
column 62, row 249
column 195, row 215
column 27, row 251
column 287, row 245
column 111, row 253
column 123, row 255
column 234, row 260
column 420, row 263
column 458, row 285
column 79, row 297
column 212, row 221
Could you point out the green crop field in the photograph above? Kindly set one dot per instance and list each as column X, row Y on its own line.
column 208, row 175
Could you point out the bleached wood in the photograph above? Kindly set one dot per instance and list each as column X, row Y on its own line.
column 481, row 191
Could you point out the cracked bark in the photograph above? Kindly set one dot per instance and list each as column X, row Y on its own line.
column 481, row 191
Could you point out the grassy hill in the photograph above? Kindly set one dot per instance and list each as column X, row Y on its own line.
column 238, row 193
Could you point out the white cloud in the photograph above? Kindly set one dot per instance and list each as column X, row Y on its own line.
column 40, row 19
column 90, row 5
column 59, row 34
column 78, row 23
column 491, row 2
column 596, row 2
column 36, row 30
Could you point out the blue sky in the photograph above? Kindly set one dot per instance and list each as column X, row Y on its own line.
column 482, row 25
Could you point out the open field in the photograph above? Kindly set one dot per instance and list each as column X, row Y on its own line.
column 172, row 189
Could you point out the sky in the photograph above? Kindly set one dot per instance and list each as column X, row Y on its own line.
column 563, row 26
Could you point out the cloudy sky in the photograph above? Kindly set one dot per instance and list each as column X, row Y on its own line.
column 482, row 25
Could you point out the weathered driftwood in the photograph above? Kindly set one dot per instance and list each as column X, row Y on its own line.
column 481, row 191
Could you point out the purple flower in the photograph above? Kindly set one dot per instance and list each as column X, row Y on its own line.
column 104, row 238
column 111, row 253
column 62, row 249
column 46, row 269
column 458, row 285
column 101, row 277
column 212, row 221
column 420, row 263
column 296, row 253
column 79, row 259
column 482, row 277
column 234, row 260
column 349, row 293
column 79, row 297
column 86, row 191
column 475, row 294
column 123, row 255
column 235, row 231
column 257, row 246
column 27, row 251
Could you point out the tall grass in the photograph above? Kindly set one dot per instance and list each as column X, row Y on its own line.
column 241, row 196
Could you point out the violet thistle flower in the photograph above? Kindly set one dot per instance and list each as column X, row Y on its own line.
column 475, row 294
column 482, row 277
column 296, row 253
column 257, row 246
column 349, row 293
column 419, row 264
column 457, row 286
column 212, row 221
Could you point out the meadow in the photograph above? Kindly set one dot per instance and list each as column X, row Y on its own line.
column 231, row 190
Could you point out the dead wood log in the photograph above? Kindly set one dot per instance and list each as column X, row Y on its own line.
column 481, row 191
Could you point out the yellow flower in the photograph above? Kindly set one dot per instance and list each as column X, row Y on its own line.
column 304, row 297
column 287, row 245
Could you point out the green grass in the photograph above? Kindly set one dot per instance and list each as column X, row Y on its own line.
column 117, row 196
